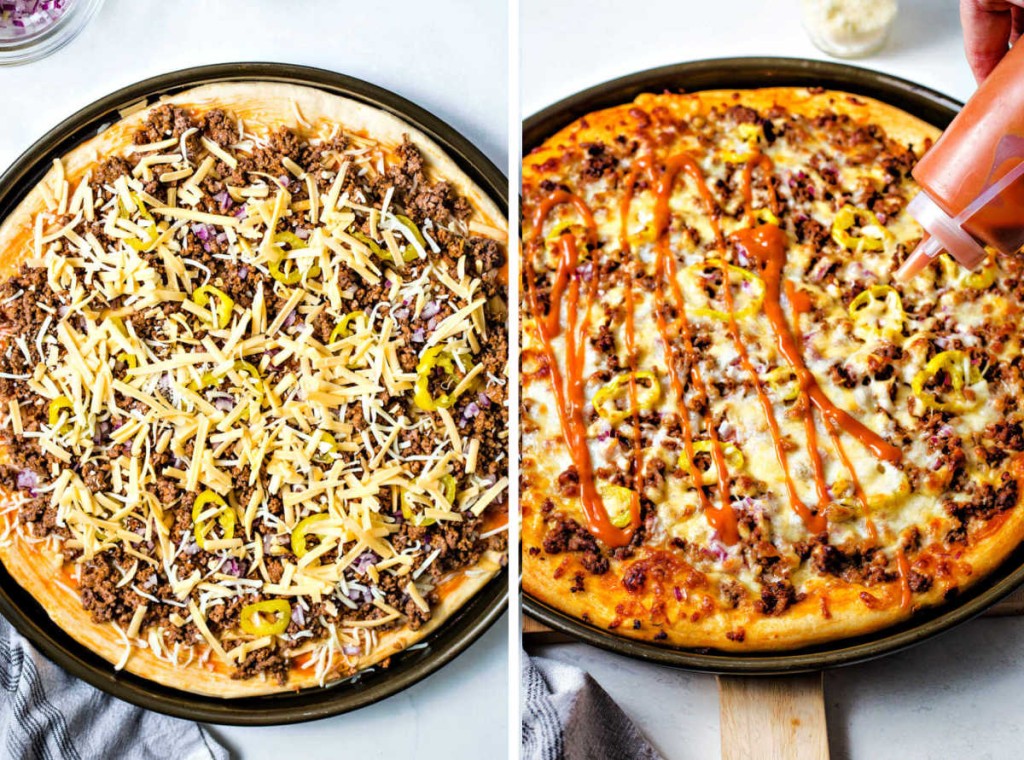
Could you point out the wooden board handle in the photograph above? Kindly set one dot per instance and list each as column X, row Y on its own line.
column 773, row 718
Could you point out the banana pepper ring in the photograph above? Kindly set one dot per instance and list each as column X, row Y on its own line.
column 344, row 328
column 733, row 458
column 57, row 407
column 736, row 275
column 299, row 548
column 293, row 275
column 245, row 368
column 873, row 233
column 130, row 359
column 575, row 229
column 242, row 367
column 324, row 457
column 435, row 357
column 983, row 279
column 960, row 373
column 202, row 528
column 618, row 388
column 153, row 232
column 252, row 620
column 408, row 254
column 880, row 309
column 979, row 280
column 785, row 383
column 449, row 486
column 225, row 304
column 622, row 505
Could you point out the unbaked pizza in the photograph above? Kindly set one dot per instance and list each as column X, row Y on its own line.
column 253, row 382
column 738, row 431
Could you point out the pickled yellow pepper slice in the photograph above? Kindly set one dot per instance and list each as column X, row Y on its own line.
column 254, row 617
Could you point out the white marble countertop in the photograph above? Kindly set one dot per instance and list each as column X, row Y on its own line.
column 447, row 56
column 954, row 697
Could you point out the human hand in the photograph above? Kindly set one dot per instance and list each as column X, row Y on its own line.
column 990, row 27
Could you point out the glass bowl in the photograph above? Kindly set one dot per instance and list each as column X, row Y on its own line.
column 32, row 29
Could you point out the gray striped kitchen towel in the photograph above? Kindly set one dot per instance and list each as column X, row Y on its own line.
column 49, row 715
column 568, row 716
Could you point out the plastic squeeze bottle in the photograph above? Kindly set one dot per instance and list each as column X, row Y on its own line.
column 972, row 179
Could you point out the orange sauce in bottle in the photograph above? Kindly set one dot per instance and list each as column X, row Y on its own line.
column 972, row 179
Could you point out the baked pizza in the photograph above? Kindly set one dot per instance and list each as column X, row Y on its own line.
column 253, row 386
column 738, row 431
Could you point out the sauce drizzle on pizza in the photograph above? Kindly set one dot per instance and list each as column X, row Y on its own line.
column 766, row 245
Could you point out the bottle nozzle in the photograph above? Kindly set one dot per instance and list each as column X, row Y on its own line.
column 925, row 253
column 944, row 233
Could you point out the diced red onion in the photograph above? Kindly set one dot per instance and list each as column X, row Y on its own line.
column 430, row 310
column 224, row 404
column 363, row 561
column 19, row 18
column 418, row 335
column 202, row 231
column 298, row 614
column 290, row 319
column 285, row 180
column 727, row 430
column 678, row 593
column 402, row 313
column 482, row 399
column 224, row 200
column 472, row 410
column 818, row 271
column 27, row 479
column 716, row 550
column 303, row 233
column 351, row 649
column 359, row 596
column 243, row 272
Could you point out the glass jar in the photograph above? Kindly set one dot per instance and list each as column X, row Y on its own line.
column 32, row 29
column 849, row 28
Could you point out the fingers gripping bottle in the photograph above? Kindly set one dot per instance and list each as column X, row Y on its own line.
column 972, row 179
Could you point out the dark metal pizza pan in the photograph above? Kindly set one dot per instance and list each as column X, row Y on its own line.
column 742, row 73
column 406, row 668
